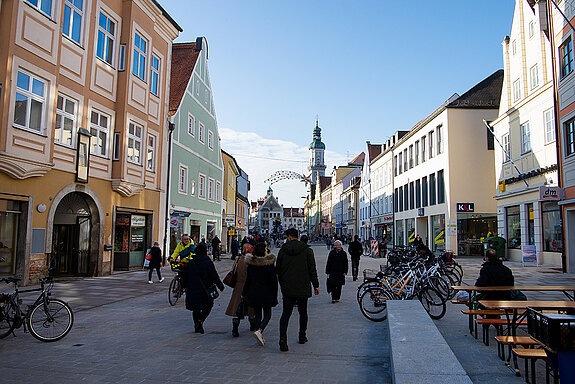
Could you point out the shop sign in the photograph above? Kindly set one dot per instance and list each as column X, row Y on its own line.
column 551, row 193
column 230, row 220
column 174, row 222
column 529, row 254
column 465, row 207
column 123, row 220
column 180, row 214
column 388, row 219
column 138, row 221
column 231, row 232
column 420, row 212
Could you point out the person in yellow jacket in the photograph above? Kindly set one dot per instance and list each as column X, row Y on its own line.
column 184, row 250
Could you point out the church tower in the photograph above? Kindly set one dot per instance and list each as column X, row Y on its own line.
column 316, row 161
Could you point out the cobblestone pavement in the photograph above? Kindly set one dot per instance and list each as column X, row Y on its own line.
column 126, row 332
column 480, row 361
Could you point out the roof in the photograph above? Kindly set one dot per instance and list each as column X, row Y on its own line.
column 373, row 150
column 359, row 159
column 324, row 181
column 292, row 212
column 234, row 161
column 486, row 94
column 184, row 58
column 167, row 16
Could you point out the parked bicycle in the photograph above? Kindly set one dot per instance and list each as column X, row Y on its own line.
column 176, row 289
column 47, row 319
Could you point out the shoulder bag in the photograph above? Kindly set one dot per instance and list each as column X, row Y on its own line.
column 212, row 290
column 232, row 276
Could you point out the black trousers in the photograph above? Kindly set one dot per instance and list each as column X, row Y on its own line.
column 288, row 304
column 157, row 270
column 354, row 267
column 336, row 292
column 259, row 321
column 200, row 315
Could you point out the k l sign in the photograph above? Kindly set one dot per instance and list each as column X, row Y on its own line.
column 465, row 207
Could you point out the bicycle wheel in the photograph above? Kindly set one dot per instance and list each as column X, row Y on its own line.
column 364, row 287
column 373, row 303
column 50, row 321
column 432, row 302
column 175, row 291
column 7, row 312
column 441, row 286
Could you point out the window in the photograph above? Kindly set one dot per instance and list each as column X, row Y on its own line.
column 417, row 193
column 514, row 47
column 191, row 125
column 406, row 196
column 411, row 156
column 430, row 136
column 552, row 235
column 423, row 144
column 516, row 90
column 197, row 87
column 202, row 187
column 405, row 160
column 210, row 140
column 106, row 38
column 30, row 100
column 534, row 74
column 506, row 147
column 155, row 75
column 531, row 29
column 193, row 188
column 424, row 195
column 202, row 134
column 566, row 56
column 570, row 137
column 151, row 154
column 439, row 133
column 66, row 109
column 411, row 195
column 400, row 195
column 490, row 139
column 400, row 159
column 183, row 179
column 45, row 6
column 211, row 189
column 525, row 138
column 218, row 191
column 513, row 227
column 395, row 201
column 395, row 165
column 432, row 190
column 134, row 143
column 416, row 152
column 116, row 154
column 530, row 224
column 122, row 58
column 72, row 23
column 99, row 129
column 549, row 126
column 139, row 59
column 440, row 187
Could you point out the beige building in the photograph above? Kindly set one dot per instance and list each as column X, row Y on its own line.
column 83, row 128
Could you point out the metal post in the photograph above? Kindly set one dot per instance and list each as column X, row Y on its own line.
column 171, row 127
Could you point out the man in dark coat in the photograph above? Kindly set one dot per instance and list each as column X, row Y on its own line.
column 493, row 274
column 336, row 269
column 297, row 273
column 201, row 274
column 155, row 262
column 235, row 247
column 216, row 248
column 355, row 250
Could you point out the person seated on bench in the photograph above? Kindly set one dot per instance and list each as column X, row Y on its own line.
column 494, row 273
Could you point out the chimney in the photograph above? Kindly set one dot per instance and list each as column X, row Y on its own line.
column 199, row 44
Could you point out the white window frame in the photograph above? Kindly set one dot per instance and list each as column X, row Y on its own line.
column 439, row 138
column 423, row 147
column 534, row 76
column 514, row 47
column 191, row 125
column 151, row 153
column 39, row 6
column 197, row 87
column 525, row 131
column 549, row 119
column 210, row 140
column 183, row 179
column 431, row 146
column 531, row 29
column 109, row 38
column 517, row 90
column 202, row 133
column 98, row 128
column 218, row 191
column 416, row 149
column 73, row 10
column 211, row 189
column 139, row 54
column 135, row 143
column 505, row 139
column 202, row 186
column 155, row 75
column 30, row 96
column 61, row 115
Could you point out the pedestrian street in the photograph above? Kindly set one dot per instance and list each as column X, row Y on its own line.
column 126, row 332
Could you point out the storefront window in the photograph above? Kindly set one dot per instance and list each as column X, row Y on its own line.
column 513, row 227
column 472, row 228
column 438, row 228
column 551, row 215
column 410, row 230
column 530, row 224
column 399, row 234
column 9, row 215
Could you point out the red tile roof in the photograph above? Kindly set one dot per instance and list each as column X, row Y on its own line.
column 184, row 58
column 359, row 159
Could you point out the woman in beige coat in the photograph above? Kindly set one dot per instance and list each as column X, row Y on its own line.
column 234, row 309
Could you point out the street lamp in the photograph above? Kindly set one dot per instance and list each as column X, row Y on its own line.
column 171, row 128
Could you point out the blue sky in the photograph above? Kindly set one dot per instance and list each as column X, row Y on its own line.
column 366, row 68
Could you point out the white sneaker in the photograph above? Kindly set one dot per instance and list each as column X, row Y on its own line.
column 150, row 282
column 259, row 337
column 162, row 279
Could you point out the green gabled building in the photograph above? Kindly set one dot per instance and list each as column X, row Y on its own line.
column 195, row 197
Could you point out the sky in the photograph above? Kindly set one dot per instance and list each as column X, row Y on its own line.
column 364, row 68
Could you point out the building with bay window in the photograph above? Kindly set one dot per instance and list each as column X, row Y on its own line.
column 528, row 216
column 83, row 134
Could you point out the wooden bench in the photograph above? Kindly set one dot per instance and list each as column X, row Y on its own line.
column 531, row 355
column 497, row 323
column 459, row 302
column 473, row 313
column 511, row 341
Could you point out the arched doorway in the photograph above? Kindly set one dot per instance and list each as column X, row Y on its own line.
column 72, row 235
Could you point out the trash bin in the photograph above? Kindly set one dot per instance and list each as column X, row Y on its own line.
column 497, row 243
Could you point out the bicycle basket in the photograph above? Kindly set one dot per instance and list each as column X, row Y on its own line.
column 370, row 274
column 176, row 267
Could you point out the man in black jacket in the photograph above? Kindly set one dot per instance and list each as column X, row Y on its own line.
column 493, row 274
column 355, row 250
column 296, row 271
